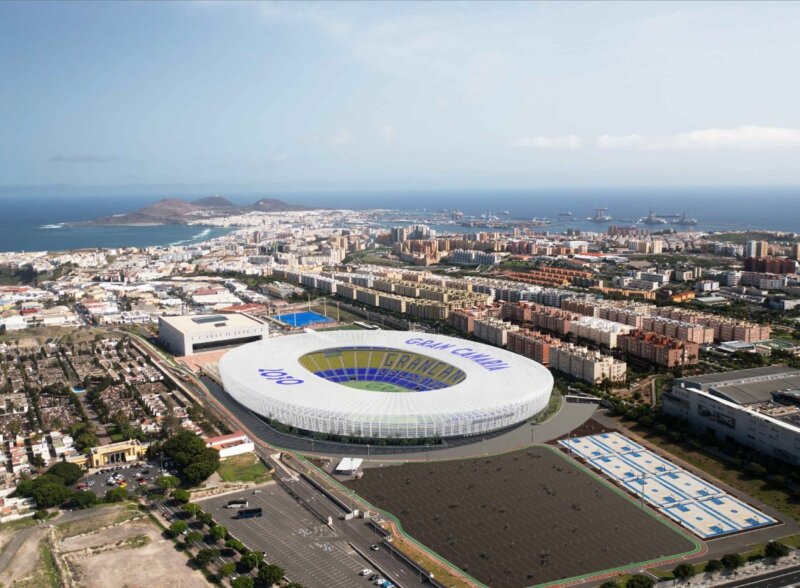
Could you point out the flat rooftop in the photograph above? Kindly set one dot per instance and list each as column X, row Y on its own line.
column 746, row 386
column 200, row 323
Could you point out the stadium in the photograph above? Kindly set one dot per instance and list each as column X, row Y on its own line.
column 385, row 384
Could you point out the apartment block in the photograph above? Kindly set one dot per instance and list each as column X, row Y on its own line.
column 493, row 331
column 587, row 365
column 532, row 344
column 660, row 349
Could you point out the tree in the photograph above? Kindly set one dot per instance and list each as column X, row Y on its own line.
column 235, row 544
column 193, row 537
column 50, row 494
column 713, row 565
column 206, row 556
column 731, row 561
column 248, row 561
column 69, row 472
column 191, row 509
column 41, row 515
column 271, row 574
column 194, row 461
column 242, row 582
column 116, row 495
column 178, row 527
column 776, row 550
column 683, row 571
column 83, row 499
column 167, row 482
column 610, row 584
column 181, row 495
column 205, row 517
column 640, row 581
column 227, row 569
column 38, row 462
column 219, row 533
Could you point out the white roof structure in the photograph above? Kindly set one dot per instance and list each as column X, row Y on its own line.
column 385, row 384
column 349, row 464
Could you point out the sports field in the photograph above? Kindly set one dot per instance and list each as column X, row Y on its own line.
column 520, row 519
column 301, row 319
column 373, row 386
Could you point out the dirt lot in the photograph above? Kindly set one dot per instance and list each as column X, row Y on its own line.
column 25, row 566
column 519, row 519
column 123, row 566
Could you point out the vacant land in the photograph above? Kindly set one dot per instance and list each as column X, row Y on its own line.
column 243, row 468
column 519, row 519
column 112, row 557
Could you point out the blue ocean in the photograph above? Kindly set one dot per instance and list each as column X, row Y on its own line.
column 35, row 223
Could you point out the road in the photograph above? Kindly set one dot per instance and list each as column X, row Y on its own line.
column 777, row 579
column 357, row 531
column 311, row 552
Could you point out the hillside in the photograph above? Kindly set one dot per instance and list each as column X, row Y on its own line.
column 177, row 211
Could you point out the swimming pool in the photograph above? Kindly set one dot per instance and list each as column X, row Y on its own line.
column 302, row 319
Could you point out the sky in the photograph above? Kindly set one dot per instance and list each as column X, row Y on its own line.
column 248, row 97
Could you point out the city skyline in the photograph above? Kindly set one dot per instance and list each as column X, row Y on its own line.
column 246, row 97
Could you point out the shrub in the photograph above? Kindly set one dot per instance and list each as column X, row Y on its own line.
column 776, row 550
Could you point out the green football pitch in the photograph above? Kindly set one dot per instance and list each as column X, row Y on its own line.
column 374, row 386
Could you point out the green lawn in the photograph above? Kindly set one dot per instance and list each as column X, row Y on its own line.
column 243, row 468
column 329, row 309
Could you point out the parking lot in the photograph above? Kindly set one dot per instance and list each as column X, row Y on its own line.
column 290, row 536
column 133, row 477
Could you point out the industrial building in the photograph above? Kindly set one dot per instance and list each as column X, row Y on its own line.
column 186, row 335
column 759, row 408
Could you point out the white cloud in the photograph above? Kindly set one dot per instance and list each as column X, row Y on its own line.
column 343, row 137
column 571, row 142
column 386, row 132
column 751, row 138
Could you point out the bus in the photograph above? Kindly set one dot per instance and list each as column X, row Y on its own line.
column 237, row 503
column 248, row 513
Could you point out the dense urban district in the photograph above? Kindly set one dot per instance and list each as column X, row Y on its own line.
column 668, row 451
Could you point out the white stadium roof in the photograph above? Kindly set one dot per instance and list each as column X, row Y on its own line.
column 500, row 388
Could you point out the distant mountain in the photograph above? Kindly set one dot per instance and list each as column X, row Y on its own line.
column 272, row 205
column 214, row 202
column 174, row 211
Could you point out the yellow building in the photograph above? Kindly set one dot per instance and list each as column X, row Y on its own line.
column 124, row 451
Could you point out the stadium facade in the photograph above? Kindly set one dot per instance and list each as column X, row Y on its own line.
column 385, row 384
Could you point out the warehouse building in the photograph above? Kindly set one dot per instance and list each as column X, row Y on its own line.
column 759, row 408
